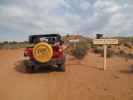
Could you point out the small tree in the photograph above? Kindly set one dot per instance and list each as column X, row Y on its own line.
column 80, row 50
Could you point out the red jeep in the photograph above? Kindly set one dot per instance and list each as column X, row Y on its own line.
column 55, row 43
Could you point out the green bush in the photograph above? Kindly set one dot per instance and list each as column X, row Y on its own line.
column 79, row 53
column 128, row 45
column 98, row 50
column 121, row 52
column 80, row 50
column 13, row 45
column 109, row 53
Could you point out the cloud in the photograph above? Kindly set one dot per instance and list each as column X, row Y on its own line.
column 22, row 18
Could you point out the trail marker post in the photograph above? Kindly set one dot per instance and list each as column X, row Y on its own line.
column 105, row 42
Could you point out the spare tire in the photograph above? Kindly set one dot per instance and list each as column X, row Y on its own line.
column 42, row 52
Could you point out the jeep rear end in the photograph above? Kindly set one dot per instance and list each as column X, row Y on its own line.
column 58, row 57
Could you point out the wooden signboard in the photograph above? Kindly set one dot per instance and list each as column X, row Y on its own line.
column 105, row 42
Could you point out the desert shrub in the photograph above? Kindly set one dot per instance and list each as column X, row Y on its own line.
column 13, row 45
column 109, row 53
column 83, row 44
column 121, row 52
column 129, row 45
column 130, row 55
column 0, row 46
column 98, row 50
column 80, row 50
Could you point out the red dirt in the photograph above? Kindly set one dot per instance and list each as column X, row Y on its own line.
column 82, row 80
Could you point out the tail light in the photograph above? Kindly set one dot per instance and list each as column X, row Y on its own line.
column 28, row 52
column 57, row 52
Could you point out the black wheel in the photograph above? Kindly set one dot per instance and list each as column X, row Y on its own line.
column 61, row 67
column 30, row 69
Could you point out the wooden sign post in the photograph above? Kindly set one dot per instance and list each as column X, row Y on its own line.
column 105, row 56
column 105, row 42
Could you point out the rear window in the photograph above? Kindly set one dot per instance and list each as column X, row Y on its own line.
column 49, row 39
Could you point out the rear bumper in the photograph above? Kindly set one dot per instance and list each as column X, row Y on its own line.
column 51, row 62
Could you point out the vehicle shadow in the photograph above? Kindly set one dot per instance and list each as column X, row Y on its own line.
column 46, row 69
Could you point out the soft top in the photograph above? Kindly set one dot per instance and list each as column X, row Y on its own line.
column 50, row 37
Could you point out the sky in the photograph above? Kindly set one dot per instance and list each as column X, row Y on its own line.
column 21, row 18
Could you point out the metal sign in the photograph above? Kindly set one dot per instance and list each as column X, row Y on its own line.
column 105, row 41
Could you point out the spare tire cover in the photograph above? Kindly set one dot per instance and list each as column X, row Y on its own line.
column 42, row 52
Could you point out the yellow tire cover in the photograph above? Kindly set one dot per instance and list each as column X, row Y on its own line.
column 42, row 52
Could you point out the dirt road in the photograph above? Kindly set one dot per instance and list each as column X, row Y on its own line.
column 83, row 80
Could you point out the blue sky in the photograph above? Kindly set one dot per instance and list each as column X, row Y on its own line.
column 21, row 18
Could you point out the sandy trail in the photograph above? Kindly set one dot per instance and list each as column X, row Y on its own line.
column 82, row 80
